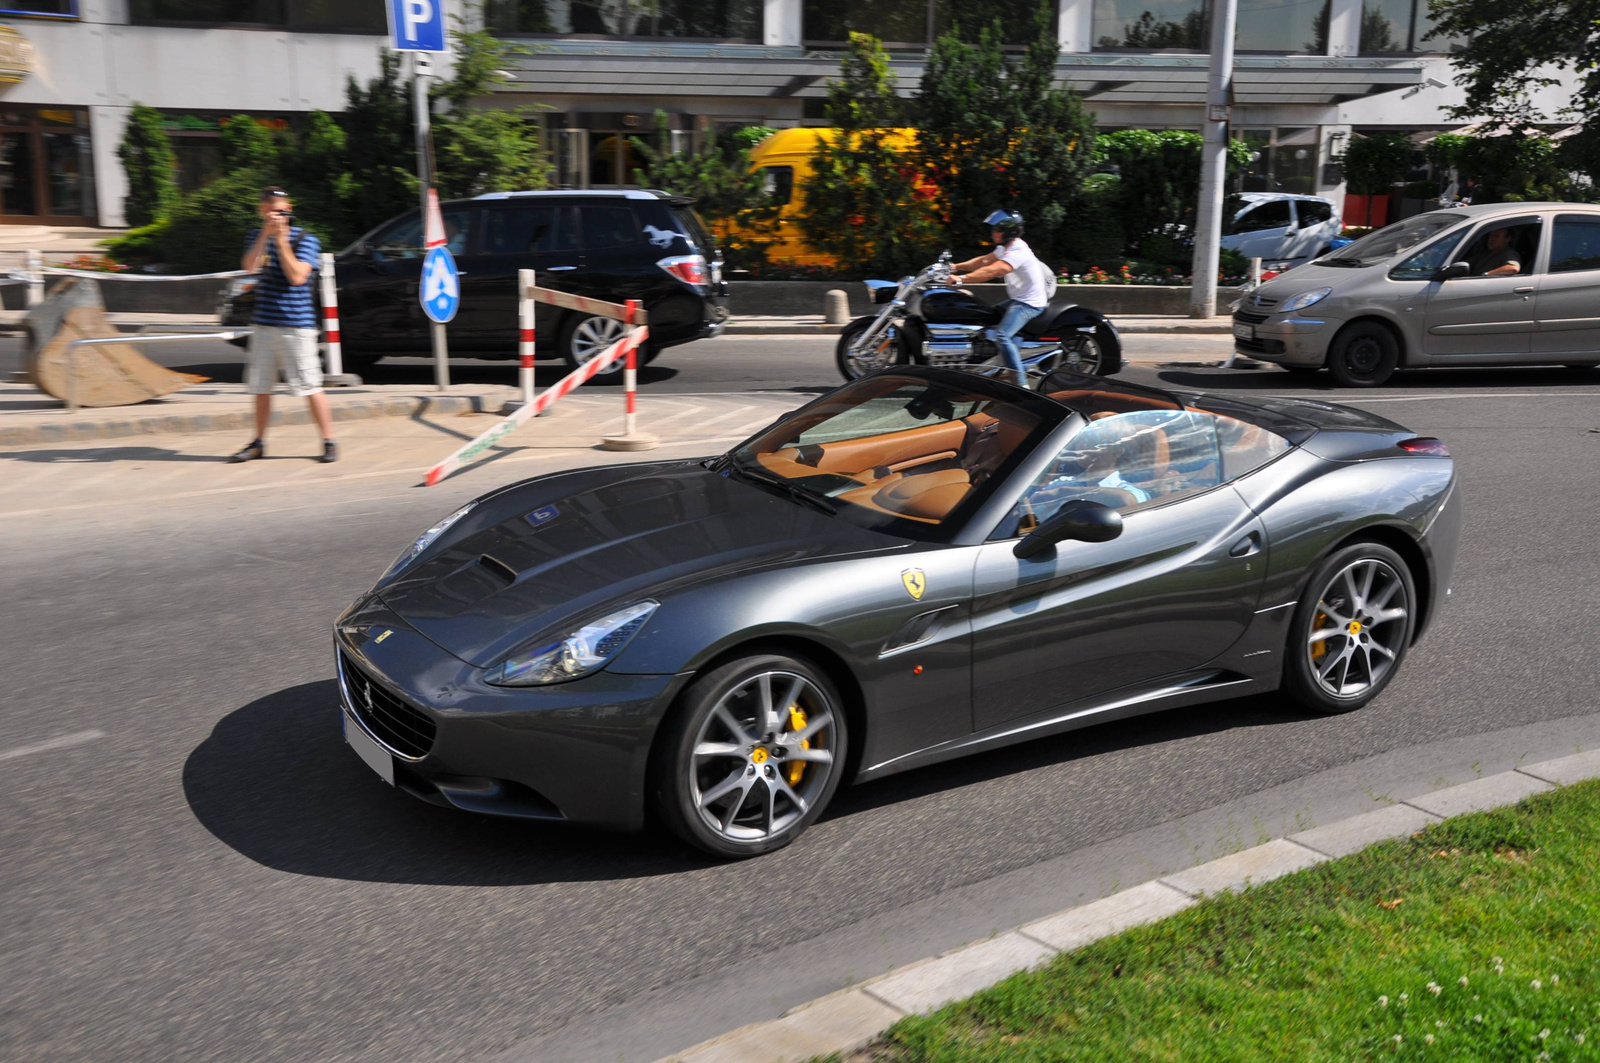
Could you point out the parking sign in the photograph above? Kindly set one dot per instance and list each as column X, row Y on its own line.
column 417, row 25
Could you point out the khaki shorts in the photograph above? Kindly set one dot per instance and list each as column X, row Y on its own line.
column 292, row 352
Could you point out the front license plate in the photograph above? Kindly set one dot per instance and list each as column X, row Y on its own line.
column 376, row 757
column 1243, row 331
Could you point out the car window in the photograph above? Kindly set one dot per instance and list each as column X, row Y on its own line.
column 608, row 226
column 1273, row 214
column 1427, row 262
column 1312, row 212
column 1393, row 239
column 1125, row 461
column 1575, row 243
column 905, row 455
column 403, row 239
column 524, row 229
column 778, row 184
column 1502, row 248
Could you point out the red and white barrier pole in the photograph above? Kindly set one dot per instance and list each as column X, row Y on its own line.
column 525, row 336
column 621, row 349
column 631, row 438
column 335, row 376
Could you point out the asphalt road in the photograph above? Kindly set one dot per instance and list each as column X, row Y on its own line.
column 196, row 867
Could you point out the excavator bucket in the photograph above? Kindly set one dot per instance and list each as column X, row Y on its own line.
column 114, row 374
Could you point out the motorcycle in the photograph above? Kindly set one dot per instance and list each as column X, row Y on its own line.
column 926, row 320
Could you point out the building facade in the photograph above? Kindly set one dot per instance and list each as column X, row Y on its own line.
column 596, row 71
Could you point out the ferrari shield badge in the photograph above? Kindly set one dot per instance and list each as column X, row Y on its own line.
column 915, row 582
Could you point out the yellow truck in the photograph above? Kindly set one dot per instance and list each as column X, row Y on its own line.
column 784, row 162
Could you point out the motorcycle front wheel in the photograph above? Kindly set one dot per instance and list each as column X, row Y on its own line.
column 856, row 360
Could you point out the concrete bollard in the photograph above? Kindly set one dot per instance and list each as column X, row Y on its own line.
column 835, row 307
column 35, row 279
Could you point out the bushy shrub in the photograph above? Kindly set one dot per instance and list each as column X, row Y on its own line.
column 208, row 227
column 1093, row 232
column 149, row 163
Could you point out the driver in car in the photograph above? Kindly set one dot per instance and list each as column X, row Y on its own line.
column 1498, row 257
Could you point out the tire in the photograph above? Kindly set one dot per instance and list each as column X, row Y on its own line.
column 1364, row 355
column 1359, row 587
column 1079, row 354
column 583, row 336
column 892, row 350
column 747, row 790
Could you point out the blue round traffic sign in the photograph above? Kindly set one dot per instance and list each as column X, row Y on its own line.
column 441, row 285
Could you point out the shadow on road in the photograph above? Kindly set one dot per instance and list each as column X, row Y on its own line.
column 275, row 782
column 417, row 371
column 103, row 454
column 1277, row 380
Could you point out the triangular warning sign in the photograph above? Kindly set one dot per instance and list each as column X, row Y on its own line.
column 433, row 224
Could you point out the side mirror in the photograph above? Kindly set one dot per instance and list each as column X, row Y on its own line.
column 1085, row 521
column 1454, row 269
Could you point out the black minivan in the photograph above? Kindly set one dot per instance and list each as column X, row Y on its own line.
column 611, row 245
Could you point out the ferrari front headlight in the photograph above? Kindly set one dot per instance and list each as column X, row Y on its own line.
column 1305, row 299
column 585, row 650
column 425, row 540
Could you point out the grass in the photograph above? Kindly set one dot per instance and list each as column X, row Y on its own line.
column 1476, row 939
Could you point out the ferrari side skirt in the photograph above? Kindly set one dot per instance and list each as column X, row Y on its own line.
column 1170, row 693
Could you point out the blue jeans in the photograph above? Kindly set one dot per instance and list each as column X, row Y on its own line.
column 1005, row 334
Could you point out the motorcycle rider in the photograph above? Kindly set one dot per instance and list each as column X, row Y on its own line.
column 1029, row 282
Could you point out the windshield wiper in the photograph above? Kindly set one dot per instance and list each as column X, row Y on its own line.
column 798, row 494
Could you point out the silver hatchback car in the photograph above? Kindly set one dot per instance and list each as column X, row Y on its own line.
column 1502, row 284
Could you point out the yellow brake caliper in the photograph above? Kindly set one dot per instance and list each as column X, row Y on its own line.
column 797, row 722
column 1319, row 648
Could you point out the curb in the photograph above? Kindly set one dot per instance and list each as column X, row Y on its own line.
column 845, row 1021
column 74, row 430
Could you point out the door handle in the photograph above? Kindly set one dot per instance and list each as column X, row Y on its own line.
column 1250, row 544
column 1525, row 289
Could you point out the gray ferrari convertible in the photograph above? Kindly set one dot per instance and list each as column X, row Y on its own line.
column 921, row 564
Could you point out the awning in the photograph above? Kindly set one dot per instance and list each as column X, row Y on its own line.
column 654, row 71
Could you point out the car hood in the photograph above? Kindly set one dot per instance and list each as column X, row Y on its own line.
column 1303, row 279
column 555, row 563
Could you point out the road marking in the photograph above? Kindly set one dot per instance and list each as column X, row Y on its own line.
column 63, row 742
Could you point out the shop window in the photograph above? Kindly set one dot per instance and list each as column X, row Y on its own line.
column 46, row 8
column 326, row 16
column 703, row 19
column 1281, row 160
column 909, row 23
column 1282, row 27
column 46, row 165
column 1149, row 25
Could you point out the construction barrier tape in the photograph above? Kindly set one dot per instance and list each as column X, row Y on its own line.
column 512, row 421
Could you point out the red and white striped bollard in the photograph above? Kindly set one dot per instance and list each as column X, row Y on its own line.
column 631, row 438
column 335, row 376
column 525, row 335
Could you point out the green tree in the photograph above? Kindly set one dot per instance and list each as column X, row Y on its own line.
column 380, row 148
column 480, row 149
column 863, row 204
column 247, row 145
column 149, row 163
column 1513, row 50
column 718, row 178
column 1374, row 164
column 1158, row 184
column 995, row 131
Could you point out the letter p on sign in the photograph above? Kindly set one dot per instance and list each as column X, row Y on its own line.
column 417, row 25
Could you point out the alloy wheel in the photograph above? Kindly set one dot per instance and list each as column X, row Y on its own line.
column 1081, row 355
column 590, row 338
column 763, row 757
column 1358, row 628
column 861, row 357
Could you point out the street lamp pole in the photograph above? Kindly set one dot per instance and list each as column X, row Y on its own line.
column 1213, row 159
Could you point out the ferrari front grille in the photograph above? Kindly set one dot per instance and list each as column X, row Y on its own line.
column 407, row 731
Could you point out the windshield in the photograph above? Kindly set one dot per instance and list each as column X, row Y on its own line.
column 903, row 454
column 1390, row 241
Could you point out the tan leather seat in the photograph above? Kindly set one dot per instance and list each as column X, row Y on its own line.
column 929, row 495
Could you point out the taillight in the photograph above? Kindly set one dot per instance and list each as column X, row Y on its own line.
column 1425, row 445
column 691, row 269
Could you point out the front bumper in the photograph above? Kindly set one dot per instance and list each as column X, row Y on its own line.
column 573, row 751
column 1283, row 340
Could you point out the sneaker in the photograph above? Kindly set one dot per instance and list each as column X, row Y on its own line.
column 252, row 450
column 330, row 452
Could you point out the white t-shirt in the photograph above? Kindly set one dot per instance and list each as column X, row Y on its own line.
column 1030, row 281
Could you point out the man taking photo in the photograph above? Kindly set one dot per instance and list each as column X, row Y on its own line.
column 283, row 329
